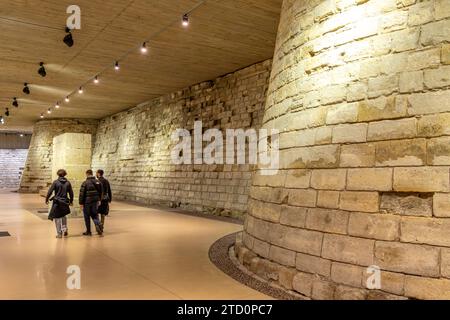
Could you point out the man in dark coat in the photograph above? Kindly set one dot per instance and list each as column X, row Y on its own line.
column 62, row 199
column 90, row 196
column 103, row 210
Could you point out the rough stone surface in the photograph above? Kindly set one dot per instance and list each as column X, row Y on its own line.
column 12, row 162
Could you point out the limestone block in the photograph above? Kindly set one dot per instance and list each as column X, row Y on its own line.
column 350, row 133
column 407, row 258
column 298, row 240
column 437, row 78
column 445, row 55
column 328, row 179
column 411, row 81
column 266, row 211
column 438, row 150
column 427, row 288
column 383, row 85
column 348, row 249
column 441, row 9
column 302, row 197
column 421, row 179
column 441, row 205
column 374, row 226
column 390, row 281
column 407, row 204
column 432, row 231
column 370, row 179
column 277, row 180
column 434, row 125
column 261, row 248
column 328, row 199
column 419, row 60
column 435, row 32
column 325, row 156
column 286, row 277
column 333, row 221
column 302, row 283
column 349, row 293
column 405, row 40
column 357, row 155
column 298, row 178
column 381, row 108
column 359, row 201
column 357, row 91
column 347, row 274
column 313, row 264
column 323, row 135
column 421, row 13
column 293, row 216
column 323, row 290
column 392, row 129
column 445, row 262
column 342, row 113
column 282, row 256
column 401, row 153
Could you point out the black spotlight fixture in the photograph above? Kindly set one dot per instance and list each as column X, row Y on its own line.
column 7, row 112
column 26, row 89
column 15, row 103
column 41, row 70
column 68, row 40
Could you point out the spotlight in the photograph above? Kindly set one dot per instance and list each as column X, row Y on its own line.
column 80, row 91
column 42, row 116
column 41, row 70
column 2, row 121
column 49, row 111
column 26, row 89
column 68, row 40
column 15, row 103
column 21, row 135
column 57, row 105
column 185, row 20
column 144, row 48
column 7, row 112
column 96, row 80
column 116, row 65
column 67, row 99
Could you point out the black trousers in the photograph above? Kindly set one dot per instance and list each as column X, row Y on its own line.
column 90, row 212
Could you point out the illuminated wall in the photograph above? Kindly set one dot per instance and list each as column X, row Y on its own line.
column 360, row 91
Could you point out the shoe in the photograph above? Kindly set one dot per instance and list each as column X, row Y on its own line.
column 99, row 228
column 87, row 234
column 66, row 234
column 59, row 236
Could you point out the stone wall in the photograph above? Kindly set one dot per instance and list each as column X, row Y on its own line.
column 134, row 147
column 361, row 91
column 37, row 174
column 12, row 162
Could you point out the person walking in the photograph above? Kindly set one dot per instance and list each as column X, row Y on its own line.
column 62, row 200
column 103, row 209
column 90, row 196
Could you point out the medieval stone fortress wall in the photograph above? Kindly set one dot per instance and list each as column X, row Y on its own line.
column 360, row 93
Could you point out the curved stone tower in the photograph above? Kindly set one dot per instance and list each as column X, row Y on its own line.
column 360, row 91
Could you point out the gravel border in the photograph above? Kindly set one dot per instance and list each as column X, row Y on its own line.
column 219, row 254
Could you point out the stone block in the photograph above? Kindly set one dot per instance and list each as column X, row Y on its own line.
column 298, row 178
column 293, row 216
column 286, row 277
column 328, row 179
column 396, row 153
column 333, row 221
column 298, row 240
column 441, row 9
column 349, row 293
column 382, row 85
column 302, row 197
column 433, row 231
column 313, row 264
column 421, row 179
column 398, row 257
column 282, row 256
column 325, row 156
column 264, row 210
column 350, row 133
column 374, row 226
column 391, row 282
column 435, row 33
column 421, row 13
column 434, row 125
column 342, row 113
column 324, row 135
column 302, row 283
column 357, row 155
column 348, row 249
column 369, row 179
column 445, row 53
column 441, row 205
column 323, row 290
column 359, row 201
column 328, row 199
column 427, row 288
column 438, row 150
column 392, row 129
column 382, row 108
column 437, row 78
column 445, row 262
column 347, row 274
column 424, row 59
column 411, row 81
column 261, row 248
column 407, row 204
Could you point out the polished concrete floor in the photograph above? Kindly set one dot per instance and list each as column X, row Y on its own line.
column 145, row 254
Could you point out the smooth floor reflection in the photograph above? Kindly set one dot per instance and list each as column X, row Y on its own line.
column 145, row 254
